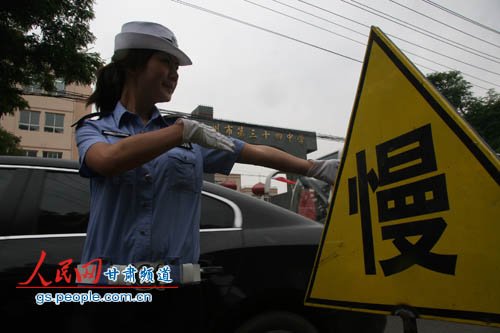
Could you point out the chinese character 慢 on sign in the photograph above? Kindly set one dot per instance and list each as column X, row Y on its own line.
column 402, row 159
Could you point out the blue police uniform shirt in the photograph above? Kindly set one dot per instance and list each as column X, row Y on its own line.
column 150, row 213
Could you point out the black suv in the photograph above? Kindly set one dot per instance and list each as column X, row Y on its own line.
column 256, row 258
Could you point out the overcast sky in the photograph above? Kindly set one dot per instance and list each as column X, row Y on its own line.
column 250, row 75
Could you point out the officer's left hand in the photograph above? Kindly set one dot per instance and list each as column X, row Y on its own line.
column 325, row 170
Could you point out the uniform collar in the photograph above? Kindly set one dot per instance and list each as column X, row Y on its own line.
column 121, row 114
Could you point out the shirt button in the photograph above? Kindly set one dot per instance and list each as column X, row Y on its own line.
column 148, row 178
column 145, row 204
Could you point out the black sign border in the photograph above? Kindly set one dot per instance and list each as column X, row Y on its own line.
column 483, row 317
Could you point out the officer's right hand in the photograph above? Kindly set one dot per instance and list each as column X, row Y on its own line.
column 204, row 135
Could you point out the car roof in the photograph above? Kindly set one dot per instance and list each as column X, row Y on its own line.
column 39, row 161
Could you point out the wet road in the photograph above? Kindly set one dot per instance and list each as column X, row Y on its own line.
column 395, row 325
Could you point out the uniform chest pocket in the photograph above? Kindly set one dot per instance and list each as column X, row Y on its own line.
column 180, row 173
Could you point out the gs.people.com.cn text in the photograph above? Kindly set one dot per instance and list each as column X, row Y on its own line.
column 92, row 297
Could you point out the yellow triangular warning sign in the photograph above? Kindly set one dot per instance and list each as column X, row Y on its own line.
column 415, row 216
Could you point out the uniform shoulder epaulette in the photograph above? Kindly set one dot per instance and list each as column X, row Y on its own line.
column 79, row 122
column 172, row 115
column 171, row 118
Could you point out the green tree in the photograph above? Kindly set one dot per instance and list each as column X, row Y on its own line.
column 484, row 116
column 455, row 88
column 43, row 40
column 482, row 113
column 9, row 143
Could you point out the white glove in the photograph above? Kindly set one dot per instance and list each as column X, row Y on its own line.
column 325, row 170
column 204, row 135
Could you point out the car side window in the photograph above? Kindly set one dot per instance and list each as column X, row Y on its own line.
column 5, row 177
column 215, row 213
column 8, row 198
column 64, row 204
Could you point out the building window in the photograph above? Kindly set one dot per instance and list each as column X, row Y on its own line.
column 30, row 153
column 29, row 120
column 60, row 85
column 54, row 123
column 52, row 154
column 33, row 88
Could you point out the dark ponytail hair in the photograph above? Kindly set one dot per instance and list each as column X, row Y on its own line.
column 111, row 78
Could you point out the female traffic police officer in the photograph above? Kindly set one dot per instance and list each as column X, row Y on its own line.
column 146, row 170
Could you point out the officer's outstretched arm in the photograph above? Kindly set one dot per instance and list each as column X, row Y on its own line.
column 270, row 157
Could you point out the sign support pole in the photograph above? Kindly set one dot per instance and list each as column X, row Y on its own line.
column 409, row 320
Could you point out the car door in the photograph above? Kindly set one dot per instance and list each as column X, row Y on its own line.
column 43, row 230
column 50, row 216
column 220, row 234
column 220, row 245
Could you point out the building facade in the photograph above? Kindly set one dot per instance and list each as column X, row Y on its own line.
column 45, row 127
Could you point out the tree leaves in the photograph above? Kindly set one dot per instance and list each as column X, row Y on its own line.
column 482, row 113
column 41, row 41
